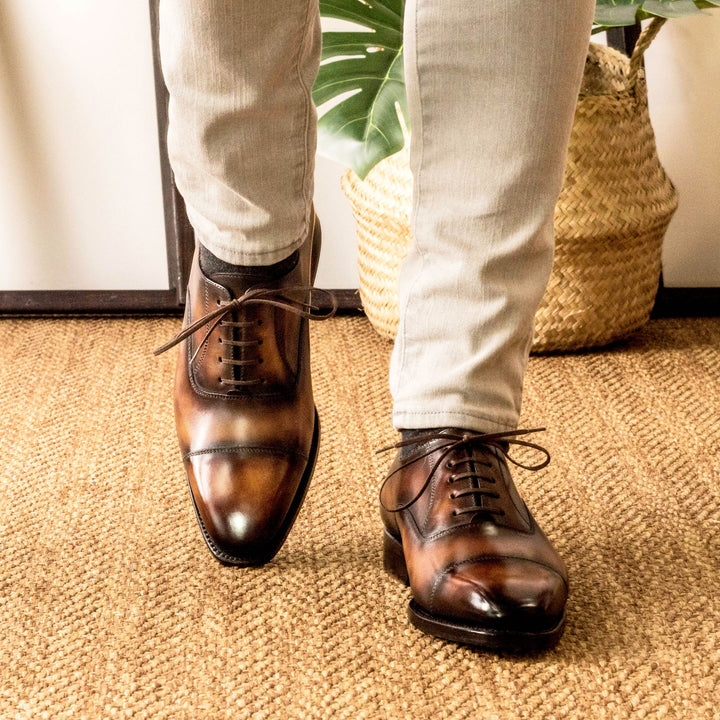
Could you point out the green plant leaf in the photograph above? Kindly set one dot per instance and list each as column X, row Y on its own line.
column 616, row 13
column 670, row 8
column 368, row 13
column 344, row 44
column 366, row 66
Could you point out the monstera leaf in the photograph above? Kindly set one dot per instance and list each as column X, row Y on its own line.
column 362, row 70
column 362, row 81
column 616, row 13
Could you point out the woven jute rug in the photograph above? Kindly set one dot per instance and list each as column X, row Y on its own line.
column 112, row 606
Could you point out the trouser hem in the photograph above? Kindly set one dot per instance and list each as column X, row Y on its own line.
column 418, row 420
column 236, row 256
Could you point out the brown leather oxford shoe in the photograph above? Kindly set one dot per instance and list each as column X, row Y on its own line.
column 456, row 530
column 245, row 418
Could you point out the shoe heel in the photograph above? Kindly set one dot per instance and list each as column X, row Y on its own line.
column 394, row 558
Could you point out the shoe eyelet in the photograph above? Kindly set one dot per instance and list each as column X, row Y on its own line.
column 454, row 513
column 259, row 322
column 220, row 381
column 220, row 340
column 452, row 479
column 259, row 342
column 218, row 301
column 449, row 464
column 453, row 496
column 220, row 359
column 260, row 361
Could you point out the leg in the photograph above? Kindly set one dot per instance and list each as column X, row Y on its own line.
column 242, row 123
column 492, row 88
column 242, row 145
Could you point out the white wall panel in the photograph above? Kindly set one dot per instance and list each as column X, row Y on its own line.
column 80, row 194
column 683, row 72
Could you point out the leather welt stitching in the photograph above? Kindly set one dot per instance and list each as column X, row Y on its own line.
column 250, row 451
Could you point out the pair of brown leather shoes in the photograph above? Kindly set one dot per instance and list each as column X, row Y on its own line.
column 456, row 530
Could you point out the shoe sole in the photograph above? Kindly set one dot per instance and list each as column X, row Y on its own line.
column 275, row 543
column 511, row 641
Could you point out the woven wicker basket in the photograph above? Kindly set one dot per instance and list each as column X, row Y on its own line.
column 610, row 219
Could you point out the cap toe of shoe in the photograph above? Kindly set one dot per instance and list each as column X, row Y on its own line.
column 509, row 594
column 242, row 498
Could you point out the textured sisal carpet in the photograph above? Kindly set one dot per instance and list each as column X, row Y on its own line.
column 113, row 608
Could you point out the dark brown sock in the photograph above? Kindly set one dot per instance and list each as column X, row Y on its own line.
column 215, row 268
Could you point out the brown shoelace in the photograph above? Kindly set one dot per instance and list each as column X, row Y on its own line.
column 455, row 440
column 253, row 296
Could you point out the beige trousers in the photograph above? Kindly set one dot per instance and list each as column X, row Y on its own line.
column 492, row 87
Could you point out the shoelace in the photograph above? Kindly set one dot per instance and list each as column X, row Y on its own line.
column 499, row 440
column 253, row 296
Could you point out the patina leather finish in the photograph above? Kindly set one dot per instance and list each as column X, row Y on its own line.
column 480, row 569
column 245, row 418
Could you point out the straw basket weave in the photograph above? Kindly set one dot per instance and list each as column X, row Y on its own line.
column 610, row 219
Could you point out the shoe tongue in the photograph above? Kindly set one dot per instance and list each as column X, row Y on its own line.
column 237, row 278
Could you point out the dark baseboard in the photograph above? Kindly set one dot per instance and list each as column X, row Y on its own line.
column 119, row 302
column 687, row 302
column 348, row 302
column 670, row 302
column 81, row 302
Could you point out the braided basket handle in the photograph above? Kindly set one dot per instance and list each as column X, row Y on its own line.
column 643, row 43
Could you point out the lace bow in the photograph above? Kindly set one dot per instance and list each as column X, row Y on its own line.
column 256, row 296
